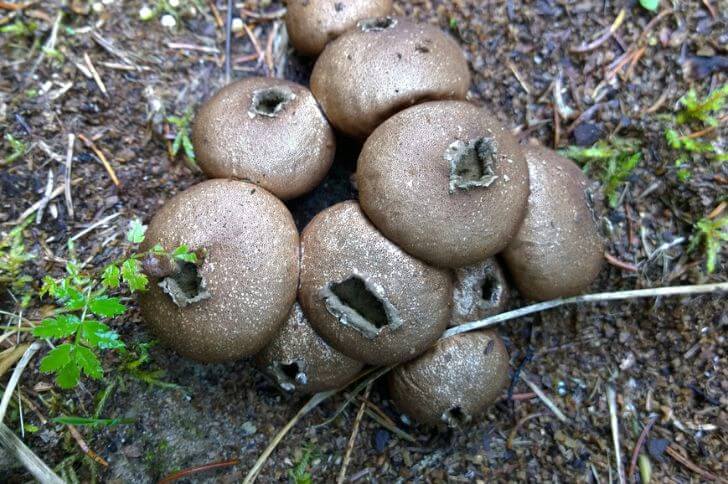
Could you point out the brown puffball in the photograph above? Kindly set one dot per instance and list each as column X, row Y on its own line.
column 268, row 131
column 454, row 382
column 557, row 252
column 479, row 291
column 233, row 302
column 311, row 24
column 299, row 360
column 364, row 295
column 445, row 181
column 383, row 66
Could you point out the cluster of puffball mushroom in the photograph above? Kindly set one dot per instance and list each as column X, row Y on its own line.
column 443, row 188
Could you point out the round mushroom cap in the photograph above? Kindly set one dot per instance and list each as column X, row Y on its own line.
column 557, row 251
column 364, row 295
column 383, row 66
column 233, row 302
column 311, row 24
column 445, row 181
column 479, row 291
column 268, row 131
column 298, row 359
column 454, row 382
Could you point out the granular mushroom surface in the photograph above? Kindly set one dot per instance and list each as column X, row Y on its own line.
column 234, row 302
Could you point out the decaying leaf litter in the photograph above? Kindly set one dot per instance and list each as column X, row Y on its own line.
column 599, row 71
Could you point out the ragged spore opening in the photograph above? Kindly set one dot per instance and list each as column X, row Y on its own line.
column 489, row 289
column 288, row 375
column 355, row 302
column 185, row 286
column 455, row 417
column 270, row 101
column 377, row 24
column 472, row 163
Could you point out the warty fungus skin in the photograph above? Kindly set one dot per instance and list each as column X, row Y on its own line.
column 453, row 382
column 233, row 302
column 364, row 295
column 557, row 252
column 445, row 181
column 479, row 291
column 298, row 359
column 268, row 131
column 311, row 24
column 382, row 66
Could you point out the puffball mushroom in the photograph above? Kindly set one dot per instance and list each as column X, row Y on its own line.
column 382, row 66
column 268, row 131
column 233, row 302
column 454, row 382
column 299, row 360
column 313, row 23
column 479, row 291
column 445, row 181
column 364, row 295
column 557, row 252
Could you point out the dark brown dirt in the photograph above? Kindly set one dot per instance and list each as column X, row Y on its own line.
column 664, row 357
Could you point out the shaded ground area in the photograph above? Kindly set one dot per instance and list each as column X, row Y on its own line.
column 542, row 69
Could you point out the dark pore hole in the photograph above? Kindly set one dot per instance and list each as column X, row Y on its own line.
column 377, row 24
column 269, row 102
column 354, row 294
column 185, row 286
column 489, row 289
column 455, row 417
column 291, row 370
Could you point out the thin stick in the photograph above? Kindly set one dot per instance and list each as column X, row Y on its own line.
column 30, row 461
column 228, row 36
column 94, row 225
column 95, row 74
column 196, row 470
column 90, row 144
column 546, row 400
column 84, row 446
column 314, row 402
column 46, row 198
column 588, row 298
column 254, row 41
column 638, row 446
column 15, row 377
column 67, row 180
column 352, row 437
column 675, row 454
column 612, row 402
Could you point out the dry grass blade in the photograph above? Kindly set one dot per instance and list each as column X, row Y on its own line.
column 598, row 297
column 546, row 400
column 352, row 437
column 30, row 461
column 15, row 377
column 673, row 452
column 614, row 423
column 314, row 402
column 10, row 356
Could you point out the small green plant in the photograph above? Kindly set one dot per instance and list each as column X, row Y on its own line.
column 17, row 149
column 696, row 110
column 133, row 361
column 182, row 138
column 710, row 234
column 13, row 257
column 19, row 29
column 84, row 303
column 615, row 159
column 650, row 5
column 300, row 473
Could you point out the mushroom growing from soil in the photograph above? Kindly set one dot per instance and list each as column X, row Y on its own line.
column 299, row 360
column 479, row 291
column 382, row 66
column 232, row 302
column 445, row 181
column 454, row 382
column 268, row 131
column 557, row 252
column 311, row 24
column 364, row 295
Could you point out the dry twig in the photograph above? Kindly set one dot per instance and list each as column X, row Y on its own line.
column 196, row 470
column 546, row 400
column 352, row 438
column 90, row 144
column 638, row 446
